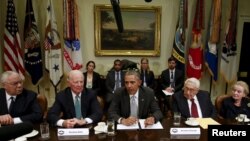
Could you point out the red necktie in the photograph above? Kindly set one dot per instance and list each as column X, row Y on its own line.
column 194, row 112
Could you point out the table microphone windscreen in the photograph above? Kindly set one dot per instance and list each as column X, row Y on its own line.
column 9, row 132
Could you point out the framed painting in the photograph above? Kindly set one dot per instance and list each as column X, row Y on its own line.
column 141, row 34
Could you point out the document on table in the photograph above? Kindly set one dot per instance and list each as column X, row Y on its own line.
column 204, row 122
column 131, row 127
column 157, row 125
column 142, row 126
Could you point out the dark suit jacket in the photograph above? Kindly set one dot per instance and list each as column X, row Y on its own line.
column 229, row 110
column 178, row 78
column 180, row 104
column 150, row 79
column 96, row 81
column 26, row 106
column 120, row 105
column 64, row 104
column 110, row 84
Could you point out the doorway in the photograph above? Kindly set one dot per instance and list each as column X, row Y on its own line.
column 244, row 65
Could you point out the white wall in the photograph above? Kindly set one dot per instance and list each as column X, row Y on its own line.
column 86, row 13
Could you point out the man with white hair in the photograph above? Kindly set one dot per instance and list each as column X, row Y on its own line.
column 75, row 106
column 193, row 102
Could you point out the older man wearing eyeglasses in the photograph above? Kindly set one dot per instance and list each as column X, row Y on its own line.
column 193, row 102
column 17, row 104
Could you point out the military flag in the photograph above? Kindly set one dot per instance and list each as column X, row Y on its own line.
column 33, row 55
column 52, row 47
column 72, row 50
column 211, row 51
column 229, row 49
column 195, row 52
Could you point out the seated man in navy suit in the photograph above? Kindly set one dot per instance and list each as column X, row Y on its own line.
column 78, row 106
column 193, row 102
column 17, row 104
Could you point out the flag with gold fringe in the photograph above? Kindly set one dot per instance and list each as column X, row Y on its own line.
column 179, row 50
column 211, row 51
column 33, row 56
column 195, row 52
column 229, row 49
column 72, row 50
column 52, row 47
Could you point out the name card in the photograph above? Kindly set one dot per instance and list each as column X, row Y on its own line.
column 72, row 131
column 185, row 131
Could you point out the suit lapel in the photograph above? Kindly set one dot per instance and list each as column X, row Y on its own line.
column 141, row 102
column 83, row 104
column 3, row 107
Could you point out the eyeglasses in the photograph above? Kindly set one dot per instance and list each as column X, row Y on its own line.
column 15, row 83
column 190, row 89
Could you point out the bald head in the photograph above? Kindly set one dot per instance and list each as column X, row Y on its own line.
column 75, row 81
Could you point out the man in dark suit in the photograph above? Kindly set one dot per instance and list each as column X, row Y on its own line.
column 134, row 102
column 192, row 102
column 77, row 106
column 114, row 80
column 24, row 107
column 172, row 80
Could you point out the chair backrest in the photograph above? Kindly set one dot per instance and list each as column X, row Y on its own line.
column 42, row 100
column 102, row 104
column 218, row 101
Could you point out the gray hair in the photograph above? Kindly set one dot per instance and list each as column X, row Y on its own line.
column 244, row 85
column 133, row 72
column 5, row 75
column 194, row 81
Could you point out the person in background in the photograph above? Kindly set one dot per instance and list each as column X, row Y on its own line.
column 172, row 80
column 193, row 102
column 134, row 102
column 147, row 76
column 114, row 80
column 75, row 106
column 237, row 103
column 92, row 79
column 17, row 104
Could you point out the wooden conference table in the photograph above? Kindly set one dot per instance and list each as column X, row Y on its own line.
column 136, row 135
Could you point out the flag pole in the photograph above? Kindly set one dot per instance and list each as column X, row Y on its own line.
column 210, row 89
column 226, row 88
column 38, row 89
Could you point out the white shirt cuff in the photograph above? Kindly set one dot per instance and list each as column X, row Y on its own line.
column 60, row 122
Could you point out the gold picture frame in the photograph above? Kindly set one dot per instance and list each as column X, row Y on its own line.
column 141, row 35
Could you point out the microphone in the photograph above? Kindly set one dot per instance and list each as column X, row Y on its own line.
column 117, row 13
column 9, row 132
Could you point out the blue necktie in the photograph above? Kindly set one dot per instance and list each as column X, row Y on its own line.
column 78, row 107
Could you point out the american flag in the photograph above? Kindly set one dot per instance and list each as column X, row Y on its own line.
column 13, row 57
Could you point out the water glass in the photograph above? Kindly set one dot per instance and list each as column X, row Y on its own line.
column 177, row 118
column 111, row 127
column 44, row 130
column 241, row 118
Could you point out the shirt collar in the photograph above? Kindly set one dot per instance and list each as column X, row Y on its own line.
column 136, row 94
